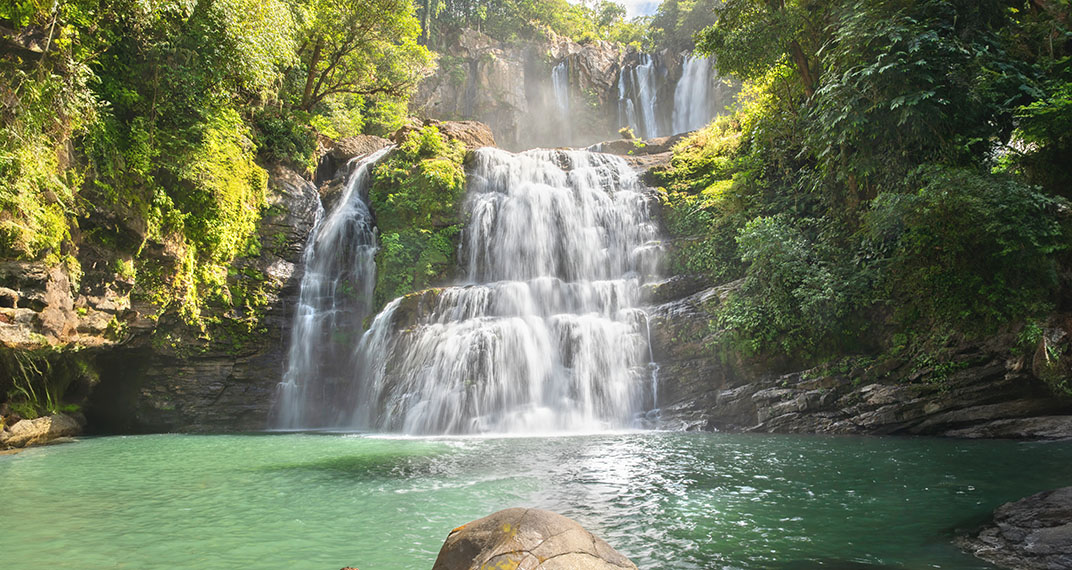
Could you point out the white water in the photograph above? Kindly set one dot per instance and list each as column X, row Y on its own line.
column 692, row 101
column 560, row 84
column 334, row 299
column 637, row 97
column 547, row 335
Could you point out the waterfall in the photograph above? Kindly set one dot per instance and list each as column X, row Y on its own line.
column 637, row 97
column 547, row 334
column 560, row 83
column 692, row 107
column 334, row 300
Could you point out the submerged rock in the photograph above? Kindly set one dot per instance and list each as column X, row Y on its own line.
column 1030, row 534
column 40, row 431
column 527, row 539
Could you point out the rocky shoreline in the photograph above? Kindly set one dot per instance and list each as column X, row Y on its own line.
column 990, row 390
column 1034, row 533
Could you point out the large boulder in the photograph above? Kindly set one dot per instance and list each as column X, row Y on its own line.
column 527, row 539
column 335, row 154
column 473, row 134
column 1030, row 534
column 40, row 431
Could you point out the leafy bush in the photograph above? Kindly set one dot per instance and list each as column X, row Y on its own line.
column 799, row 295
column 415, row 196
column 284, row 138
column 972, row 249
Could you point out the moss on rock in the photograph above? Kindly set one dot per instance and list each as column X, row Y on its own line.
column 416, row 196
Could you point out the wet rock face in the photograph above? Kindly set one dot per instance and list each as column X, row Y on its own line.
column 169, row 378
column 509, row 88
column 335, row 154
column 527, row 539
column 1030, row 534
column 35, row 304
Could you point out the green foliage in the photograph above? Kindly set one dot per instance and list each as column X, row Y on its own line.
column 142, row 123
column 283, row 138
column 907, row 83
column 39, row 109
column 872, row 178
column 40, row 381
column 415, row 196
column 971, row 249
column 799, row 295
column 676, row 22
column 514, row 20
column 356, row 47
column 1045, row 129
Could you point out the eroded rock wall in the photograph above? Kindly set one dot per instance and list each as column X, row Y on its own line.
column 990, row 388
column 509, row 87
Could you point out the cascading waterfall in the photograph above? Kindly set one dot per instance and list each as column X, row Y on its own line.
column 692, row 104
column 560, row 84
column 637, row 91
column 547, row 335
column 334, row 300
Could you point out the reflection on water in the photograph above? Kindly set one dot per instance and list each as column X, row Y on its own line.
column 669, row 501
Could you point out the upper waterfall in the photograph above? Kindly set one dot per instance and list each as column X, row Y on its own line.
column 547, row 334
column 693, row 106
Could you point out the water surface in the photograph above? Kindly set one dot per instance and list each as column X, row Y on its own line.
column 666, row 500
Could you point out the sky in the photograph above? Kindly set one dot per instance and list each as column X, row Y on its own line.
column 640, row 7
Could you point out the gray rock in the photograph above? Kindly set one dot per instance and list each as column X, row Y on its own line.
column 40, row 431
column 508, row 86
column 345, row 149
column 700, row 384
column 527, row 539
column 1030, row 534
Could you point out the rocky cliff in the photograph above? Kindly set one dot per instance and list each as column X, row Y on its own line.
column 554, row 92
column 510, row 88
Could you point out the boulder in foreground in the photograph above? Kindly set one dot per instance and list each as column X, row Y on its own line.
column 39, row 431
column 1030, row 534
column 527, row 539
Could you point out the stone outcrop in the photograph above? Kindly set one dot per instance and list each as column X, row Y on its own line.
column 527, row 539
column 1030, row 534
column 987, row 391
column 472, row 134
column 334, row 154
column 39, row 431
column 40, row 306
column 167, row 376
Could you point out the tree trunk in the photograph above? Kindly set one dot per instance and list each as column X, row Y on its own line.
column 807, row 76
column 426, row 23
column 310, row 76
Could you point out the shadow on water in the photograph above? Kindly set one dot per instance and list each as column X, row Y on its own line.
column 367, row 466
column 377, row 461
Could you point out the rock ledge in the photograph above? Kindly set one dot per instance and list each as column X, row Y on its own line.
column 1030, row 534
